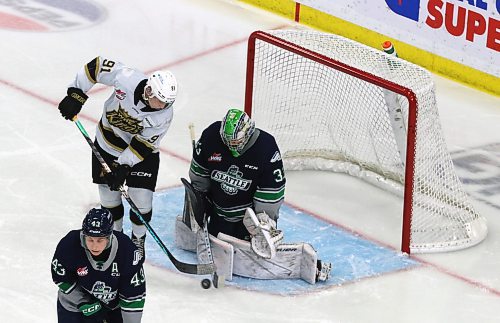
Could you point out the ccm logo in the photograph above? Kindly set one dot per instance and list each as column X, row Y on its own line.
column 141, row 174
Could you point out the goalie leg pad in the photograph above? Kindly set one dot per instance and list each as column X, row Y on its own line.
column 297, row 260
column 222, row 254
column 308, row 266
column 185, row 238
column 313, row 270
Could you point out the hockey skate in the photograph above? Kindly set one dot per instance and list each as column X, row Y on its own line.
column 139, row 243
column 323, row 270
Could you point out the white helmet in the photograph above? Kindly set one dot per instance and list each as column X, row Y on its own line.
column 163, row 86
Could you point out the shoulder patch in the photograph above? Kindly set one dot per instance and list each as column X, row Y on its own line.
column 137, row 257
column 276, row 157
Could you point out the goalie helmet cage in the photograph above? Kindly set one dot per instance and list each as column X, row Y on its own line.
column 338, row 105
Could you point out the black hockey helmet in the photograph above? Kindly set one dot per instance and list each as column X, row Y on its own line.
column 98, row 223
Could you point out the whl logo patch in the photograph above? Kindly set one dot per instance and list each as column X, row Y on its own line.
column 216, row 157
column 49, row 15
column 82, row 271
column 120, row 95
column 406, row 8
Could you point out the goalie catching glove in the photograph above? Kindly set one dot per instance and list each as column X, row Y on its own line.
column 265, row 236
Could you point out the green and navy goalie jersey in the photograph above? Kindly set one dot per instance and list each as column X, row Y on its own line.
column 255, row 179
column 129, row 129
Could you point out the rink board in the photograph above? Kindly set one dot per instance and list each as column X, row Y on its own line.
column 353, row 258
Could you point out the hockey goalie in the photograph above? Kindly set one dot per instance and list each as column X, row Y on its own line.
column 265, row 256
column 237, row 168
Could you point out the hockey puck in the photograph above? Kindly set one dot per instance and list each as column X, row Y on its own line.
column 206, row 283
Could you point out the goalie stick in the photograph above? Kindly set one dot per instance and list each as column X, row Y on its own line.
column 218, row 281
column 196, row 269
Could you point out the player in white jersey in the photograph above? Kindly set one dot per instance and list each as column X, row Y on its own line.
column 135, row 119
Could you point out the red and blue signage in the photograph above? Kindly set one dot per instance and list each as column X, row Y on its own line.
column 472, row 20
column 49, row 15
column 406, row 8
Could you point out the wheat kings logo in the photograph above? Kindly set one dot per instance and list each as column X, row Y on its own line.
column 123, row 121
column 231, row 181
column 102, row 292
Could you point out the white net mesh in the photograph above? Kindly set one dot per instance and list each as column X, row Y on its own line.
column 326, row 119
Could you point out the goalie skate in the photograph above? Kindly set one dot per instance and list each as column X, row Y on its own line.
column 323, row 271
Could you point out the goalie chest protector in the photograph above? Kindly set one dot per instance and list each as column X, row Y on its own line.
column 234, row 180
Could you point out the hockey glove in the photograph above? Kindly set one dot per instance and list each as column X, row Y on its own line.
column 117, row 177
column 200, row 213
column 265, row 236
column 90, row 308
column 71, row 105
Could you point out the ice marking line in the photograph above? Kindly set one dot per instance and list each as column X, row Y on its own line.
column 355, row 258
column 171, row 64
column 187, row 160
column 343, row 227
column 438, row 268
column 448, row 272
column 184, row 60
column 16, row 22
column 28, row 92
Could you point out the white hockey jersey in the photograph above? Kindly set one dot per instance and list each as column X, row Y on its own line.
column 129, row 129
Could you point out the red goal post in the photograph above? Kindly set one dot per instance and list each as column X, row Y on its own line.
column 334, row 104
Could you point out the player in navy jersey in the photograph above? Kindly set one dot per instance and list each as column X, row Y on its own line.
column 99, row 274
column 237, row 166
column 135, row 118
column 239, row 185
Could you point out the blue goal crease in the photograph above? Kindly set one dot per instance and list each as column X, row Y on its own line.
column 353, row 258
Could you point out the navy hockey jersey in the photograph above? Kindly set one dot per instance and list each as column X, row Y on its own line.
column 254, row 179
column 118, row 281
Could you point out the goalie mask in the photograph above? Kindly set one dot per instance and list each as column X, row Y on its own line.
column 162, row 86
column 235, row 130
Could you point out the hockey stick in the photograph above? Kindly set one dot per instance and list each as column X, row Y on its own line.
column 218, row 281
column 196, row 269
column 191, row 134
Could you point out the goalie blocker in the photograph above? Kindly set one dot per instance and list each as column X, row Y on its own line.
column 264, row 257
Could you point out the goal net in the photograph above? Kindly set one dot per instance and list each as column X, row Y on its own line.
column 335, row 104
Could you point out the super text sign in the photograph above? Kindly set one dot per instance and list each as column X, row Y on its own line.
column 465, row 31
